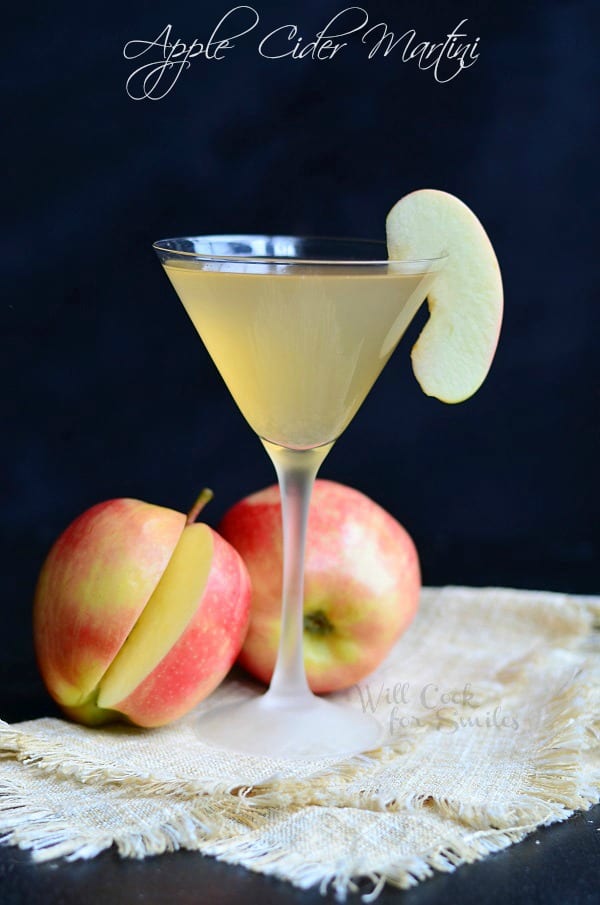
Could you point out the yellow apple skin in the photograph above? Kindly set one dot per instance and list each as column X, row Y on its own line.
column 362, row 583
column 94, row 584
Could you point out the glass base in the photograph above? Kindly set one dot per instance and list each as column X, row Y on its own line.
column 290, row 728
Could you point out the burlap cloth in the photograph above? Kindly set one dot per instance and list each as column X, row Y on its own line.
column 491, row 703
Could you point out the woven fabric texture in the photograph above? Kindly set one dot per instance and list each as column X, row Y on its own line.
column 490, row 706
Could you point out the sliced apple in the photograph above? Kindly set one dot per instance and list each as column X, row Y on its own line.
column 97, row 579
column 187, row 637
column 455, row 349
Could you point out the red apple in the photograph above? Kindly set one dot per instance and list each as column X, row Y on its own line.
column 362, row 582
column 137, row 614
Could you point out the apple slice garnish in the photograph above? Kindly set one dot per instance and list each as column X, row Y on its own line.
column 455, row 349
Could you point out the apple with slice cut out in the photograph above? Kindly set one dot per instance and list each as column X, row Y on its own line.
column 139, row 613
column 455, row 349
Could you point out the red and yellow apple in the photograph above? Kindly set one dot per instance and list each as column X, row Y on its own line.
column 361, row 590
column 138, row 614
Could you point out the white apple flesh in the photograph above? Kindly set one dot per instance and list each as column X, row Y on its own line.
column 455, row 349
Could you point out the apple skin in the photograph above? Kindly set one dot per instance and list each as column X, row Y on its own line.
column 361, row 589
column 97, row 580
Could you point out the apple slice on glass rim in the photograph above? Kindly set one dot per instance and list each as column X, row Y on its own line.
column 455, row 349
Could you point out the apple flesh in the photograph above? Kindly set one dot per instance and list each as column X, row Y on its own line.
column 455, row 349
column 361, row 589
column 138, row 615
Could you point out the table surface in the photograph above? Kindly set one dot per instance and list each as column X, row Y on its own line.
column 556, row 865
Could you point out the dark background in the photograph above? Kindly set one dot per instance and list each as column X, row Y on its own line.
column 107, row 388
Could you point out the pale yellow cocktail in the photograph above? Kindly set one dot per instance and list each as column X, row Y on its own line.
column 299, row 348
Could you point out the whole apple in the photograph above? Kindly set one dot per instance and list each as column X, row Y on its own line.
column 138, row 613
column 361, row 590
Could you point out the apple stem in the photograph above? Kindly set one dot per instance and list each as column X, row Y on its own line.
column 204, row 497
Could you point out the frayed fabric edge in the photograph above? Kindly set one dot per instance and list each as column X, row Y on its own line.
column 403, row 872
column 557, row 785
column 47, row 837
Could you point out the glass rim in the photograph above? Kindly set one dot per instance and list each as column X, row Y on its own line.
column 161, row 246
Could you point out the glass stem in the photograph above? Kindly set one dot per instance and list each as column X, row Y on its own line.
column 296, row 473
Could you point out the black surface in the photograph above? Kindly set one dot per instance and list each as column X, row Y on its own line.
column 557, row 865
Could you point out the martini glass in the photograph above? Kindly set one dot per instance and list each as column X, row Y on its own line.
column 300, row 329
